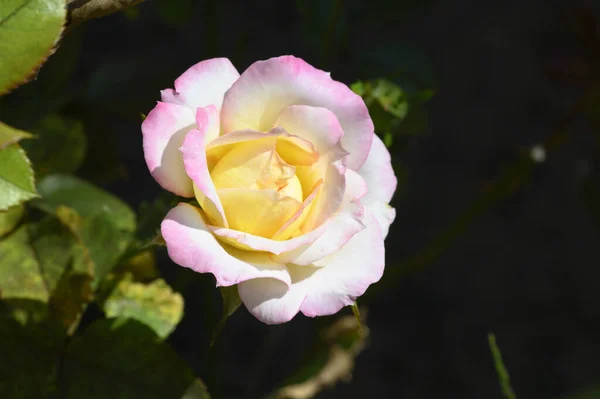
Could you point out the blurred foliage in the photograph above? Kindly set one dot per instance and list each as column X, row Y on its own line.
column 331, row 361
column 389, row 108
column 102, row 223
column 30, row 353
column 69, row 247
column 59, row 148
column 591, row 394
column 122, row 358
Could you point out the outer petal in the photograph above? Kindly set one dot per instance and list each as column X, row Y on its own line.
column 267, row 87
column 203, row 84
column 163, row 131
column 194, row 161
column 346, row 275
column 381, row 182
column 323, row 289
column 379, row 174
column 384, row 214
column 271, row 301
column 191, row 244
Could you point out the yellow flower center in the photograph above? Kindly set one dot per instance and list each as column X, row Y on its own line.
column 258, row 186
column 257, row 165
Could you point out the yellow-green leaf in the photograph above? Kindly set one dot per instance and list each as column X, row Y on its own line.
column 65, row 268
column 10, row 218
column 16, row 177
column 10, row 135
column 20, row 274
column 85, row 198
column 154, row 304
column 29, row 32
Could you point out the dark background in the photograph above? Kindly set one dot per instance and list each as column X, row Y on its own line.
column 521, row 262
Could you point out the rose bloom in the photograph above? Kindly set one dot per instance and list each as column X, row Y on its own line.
column 292, row 184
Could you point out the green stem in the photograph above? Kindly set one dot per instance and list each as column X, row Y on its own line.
column 503, row 375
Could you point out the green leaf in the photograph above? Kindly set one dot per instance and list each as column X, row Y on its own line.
column 51, row 90
column 16, row 177
column 60, row 147
column 141, row 265
column 10, row 135
column 123, row 358
column 10, row 218
column 30, row 355
column 105, row 242
column 20, row 273
column 35, row 259
column 66, row 268
column 154, row 304
column 231, row 302
column 46, row 262
column 102, row 223
column 53, row 247
column 100, row 243
column 70, row 299
column 29, row 31
column 500, row 368
column 85, row 198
